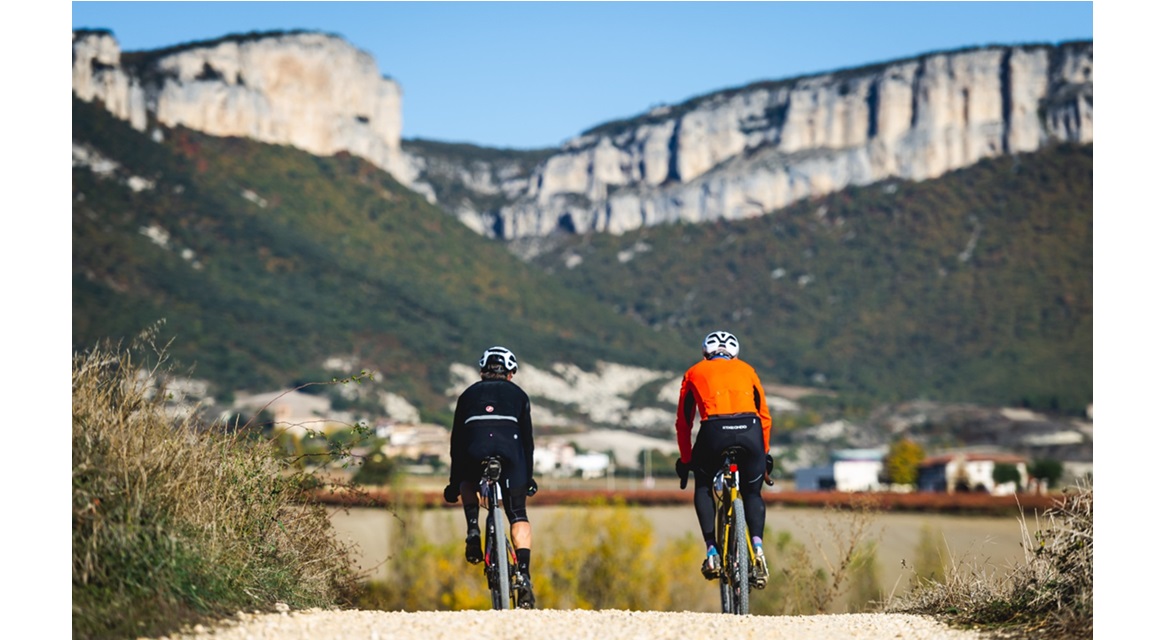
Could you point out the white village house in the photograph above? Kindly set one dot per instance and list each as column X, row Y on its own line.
column 969, row 471
column 849, row 470
column 862, row 470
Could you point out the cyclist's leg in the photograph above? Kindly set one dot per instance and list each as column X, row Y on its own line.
column 756, row 509
column 705, row 512
column 520, row 526
column 752, row 491
column 752, row 469
column 705, row 506
column 516, row 504
column 468, row 494
column 704, row 464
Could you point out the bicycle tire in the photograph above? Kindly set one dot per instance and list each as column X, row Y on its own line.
column 490, row 566
column 501, row 588
column 740, row 578
column 726, row 593
column 514, row 576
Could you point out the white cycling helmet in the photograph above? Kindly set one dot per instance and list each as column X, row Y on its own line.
column 498, row 360
column 720, row 343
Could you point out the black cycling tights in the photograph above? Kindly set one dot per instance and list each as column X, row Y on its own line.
column 752, row 493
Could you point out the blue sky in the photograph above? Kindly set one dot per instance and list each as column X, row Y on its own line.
column 533, row 74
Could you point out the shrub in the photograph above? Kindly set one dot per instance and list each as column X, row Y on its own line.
column 838, row 577
column 175, row 522
column 1050, row 595
column 377, row 469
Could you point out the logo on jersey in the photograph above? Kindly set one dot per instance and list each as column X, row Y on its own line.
column 489, row 408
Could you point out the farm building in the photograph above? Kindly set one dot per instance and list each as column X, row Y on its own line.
column 970, row 471
column 849, row 470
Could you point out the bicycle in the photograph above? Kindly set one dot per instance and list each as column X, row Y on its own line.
column 736, row 554
column 504, row 579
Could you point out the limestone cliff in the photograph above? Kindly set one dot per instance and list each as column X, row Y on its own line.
column 746, row 152
column 732, row 154
column 309, row 90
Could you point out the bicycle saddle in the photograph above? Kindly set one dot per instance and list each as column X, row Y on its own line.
column 492, row 467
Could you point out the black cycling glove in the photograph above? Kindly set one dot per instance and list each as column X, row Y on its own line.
column 451, row 493
column 683, row 470
column 532, row 487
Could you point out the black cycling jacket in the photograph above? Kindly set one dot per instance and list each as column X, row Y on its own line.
column 492, row 417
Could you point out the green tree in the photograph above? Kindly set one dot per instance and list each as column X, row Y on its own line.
column 902, row 461
column 1004, row 473
column 661, row 464
column 377, row 469
column 1049, row 470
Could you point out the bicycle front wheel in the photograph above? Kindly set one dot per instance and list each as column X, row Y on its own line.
column 501, row 582
column 739, row 554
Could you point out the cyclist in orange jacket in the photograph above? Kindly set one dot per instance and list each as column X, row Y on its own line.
column 732, row 410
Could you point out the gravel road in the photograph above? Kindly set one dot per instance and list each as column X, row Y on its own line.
column 544, row 624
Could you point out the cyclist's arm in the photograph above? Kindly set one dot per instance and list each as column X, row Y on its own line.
column 527, row 437
column 683, row 419
column 764, row 413
column 457, row 445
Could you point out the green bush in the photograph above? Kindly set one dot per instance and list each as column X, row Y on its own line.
column 377, row 469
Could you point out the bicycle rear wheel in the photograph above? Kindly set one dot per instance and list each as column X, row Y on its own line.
column 726, row 593
column 500, row 581
column 740, row 556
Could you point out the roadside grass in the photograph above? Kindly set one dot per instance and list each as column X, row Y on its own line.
column 1049, row 595
column 175, row 523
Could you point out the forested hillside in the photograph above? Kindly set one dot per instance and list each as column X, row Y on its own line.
column 265, row 261
column 974, row 287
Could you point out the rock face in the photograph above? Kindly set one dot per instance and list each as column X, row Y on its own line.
column 746, row 152
column 733, row 154
column 309, row 90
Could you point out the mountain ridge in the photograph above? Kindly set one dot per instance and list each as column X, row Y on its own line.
column 729, row 154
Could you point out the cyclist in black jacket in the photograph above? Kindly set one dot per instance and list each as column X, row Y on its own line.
column 493, row 417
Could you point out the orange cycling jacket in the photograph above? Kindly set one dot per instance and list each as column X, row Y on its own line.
column 719, row 387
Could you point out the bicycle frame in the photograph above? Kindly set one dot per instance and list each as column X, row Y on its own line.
column 735, row 550
column 501, row 567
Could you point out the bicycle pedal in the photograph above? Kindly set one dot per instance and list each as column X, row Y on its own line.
column 710, row 568
column 526, row 599
column 474, row 551
column 759, row 576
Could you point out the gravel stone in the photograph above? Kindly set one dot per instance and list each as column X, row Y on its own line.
column 543, row 624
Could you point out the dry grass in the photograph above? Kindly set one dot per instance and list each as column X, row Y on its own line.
column 174, row 522
column 1050, row 595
